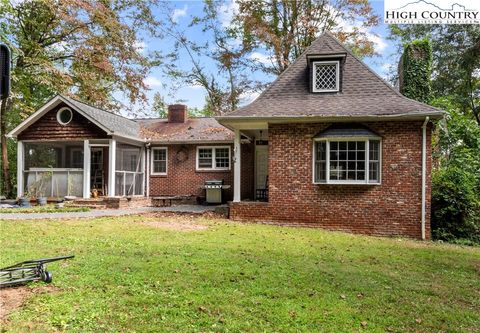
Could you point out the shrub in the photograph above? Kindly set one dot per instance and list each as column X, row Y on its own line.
column 456, row 181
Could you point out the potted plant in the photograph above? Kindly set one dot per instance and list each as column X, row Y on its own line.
column 24, row 201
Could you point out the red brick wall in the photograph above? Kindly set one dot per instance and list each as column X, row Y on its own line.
column 392, row 208
column 177, row 113
column 183, row 179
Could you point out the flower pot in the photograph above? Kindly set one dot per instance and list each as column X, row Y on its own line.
column 59, row 205
column 42, row 201
column 24, row 202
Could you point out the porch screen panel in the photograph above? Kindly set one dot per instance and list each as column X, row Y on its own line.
column 49, row 170
column 129, row 170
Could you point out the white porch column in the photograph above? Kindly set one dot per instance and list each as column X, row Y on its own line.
column 86, row 169
column 237, row 169
column 147, row 171
column 20, row 167
column 143, row 168
column 112, row 151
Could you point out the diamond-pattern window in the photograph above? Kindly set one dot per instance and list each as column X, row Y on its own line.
column 325, row 76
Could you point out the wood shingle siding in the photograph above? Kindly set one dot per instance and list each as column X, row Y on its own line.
column 48, row 128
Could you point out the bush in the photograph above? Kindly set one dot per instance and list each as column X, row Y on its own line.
column 456, row 181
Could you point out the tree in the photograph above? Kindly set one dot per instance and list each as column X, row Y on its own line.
column 456, row 178
column 191, row 61
column 456, row 61
column 159, row 107
column 286, row 28
column 75, row 47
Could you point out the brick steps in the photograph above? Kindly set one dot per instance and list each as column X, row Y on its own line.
column 95, row 206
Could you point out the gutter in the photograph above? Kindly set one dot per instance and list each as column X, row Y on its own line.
column 424, row 171
column 232, row 121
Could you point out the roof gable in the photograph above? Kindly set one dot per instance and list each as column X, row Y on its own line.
column 363, row 92
column 111, row 123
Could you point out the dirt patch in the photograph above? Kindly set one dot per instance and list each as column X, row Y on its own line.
column 176, row 225
column 13, row 298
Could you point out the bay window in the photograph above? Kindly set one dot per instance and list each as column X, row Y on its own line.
column 347, row 160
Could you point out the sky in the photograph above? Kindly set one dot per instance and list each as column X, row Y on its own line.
column 194, row 96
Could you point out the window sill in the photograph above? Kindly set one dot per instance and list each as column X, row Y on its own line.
column 158, row 175
column 344, row 183
column 212, row 170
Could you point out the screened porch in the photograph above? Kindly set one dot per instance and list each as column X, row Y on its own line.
column 80, row 169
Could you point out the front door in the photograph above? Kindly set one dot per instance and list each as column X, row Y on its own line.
column 97, row 171
column 261, row 170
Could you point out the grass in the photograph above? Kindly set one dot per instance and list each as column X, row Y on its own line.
column 43, row 209
column 131, row 277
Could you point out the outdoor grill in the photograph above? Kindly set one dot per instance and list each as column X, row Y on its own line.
column 213, row 189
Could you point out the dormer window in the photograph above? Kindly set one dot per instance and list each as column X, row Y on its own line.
column 326, row 76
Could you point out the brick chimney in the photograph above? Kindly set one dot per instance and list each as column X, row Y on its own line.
column 177, row 113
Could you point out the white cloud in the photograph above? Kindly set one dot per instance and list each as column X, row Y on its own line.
column 139, row 46
column 248, row 97
column 195, row 86
column 178, row 13
column 380, row 44
column 152, row 81
column 227, row 12
column 261, row 58
column 386, row 67
column 357, row 24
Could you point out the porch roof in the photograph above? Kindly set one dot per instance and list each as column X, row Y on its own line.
column 115, row 123
column 111, row 123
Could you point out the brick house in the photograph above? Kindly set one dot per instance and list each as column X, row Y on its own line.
column 328, row 144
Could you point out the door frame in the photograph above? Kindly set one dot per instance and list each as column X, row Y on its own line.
column 258, row 143
column 94, row 148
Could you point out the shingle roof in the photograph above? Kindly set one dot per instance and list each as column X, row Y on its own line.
column 363, row 93
column 193, row 130
column 113, row 122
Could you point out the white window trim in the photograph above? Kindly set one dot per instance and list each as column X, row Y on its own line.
column 367, row 161
column 213, row 168
column 65, row 108
column 337, row 75
column 152, row 160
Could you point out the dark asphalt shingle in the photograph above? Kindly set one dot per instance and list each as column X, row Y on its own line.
column 363, row 93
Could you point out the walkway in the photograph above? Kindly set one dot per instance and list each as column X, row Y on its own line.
column 193, row 209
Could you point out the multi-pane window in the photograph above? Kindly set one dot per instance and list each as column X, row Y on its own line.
column 222, row 158
column 326, row 76
column 213, row 158
column 347, row 161
column 77, row 158
column 159, row 161
column 205, row 158
column 374, row 162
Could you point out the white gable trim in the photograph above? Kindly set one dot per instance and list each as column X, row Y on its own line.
column 47, row 107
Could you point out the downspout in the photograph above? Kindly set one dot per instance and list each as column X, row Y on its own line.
column 424, row 171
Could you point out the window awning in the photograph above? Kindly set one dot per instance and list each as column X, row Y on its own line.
column 342, row 130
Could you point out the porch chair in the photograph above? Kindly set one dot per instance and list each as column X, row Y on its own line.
column 262, row 193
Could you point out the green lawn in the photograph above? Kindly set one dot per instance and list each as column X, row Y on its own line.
column 43, row 209
column 128, row 276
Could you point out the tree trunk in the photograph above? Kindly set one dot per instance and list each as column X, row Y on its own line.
column 7, row 181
